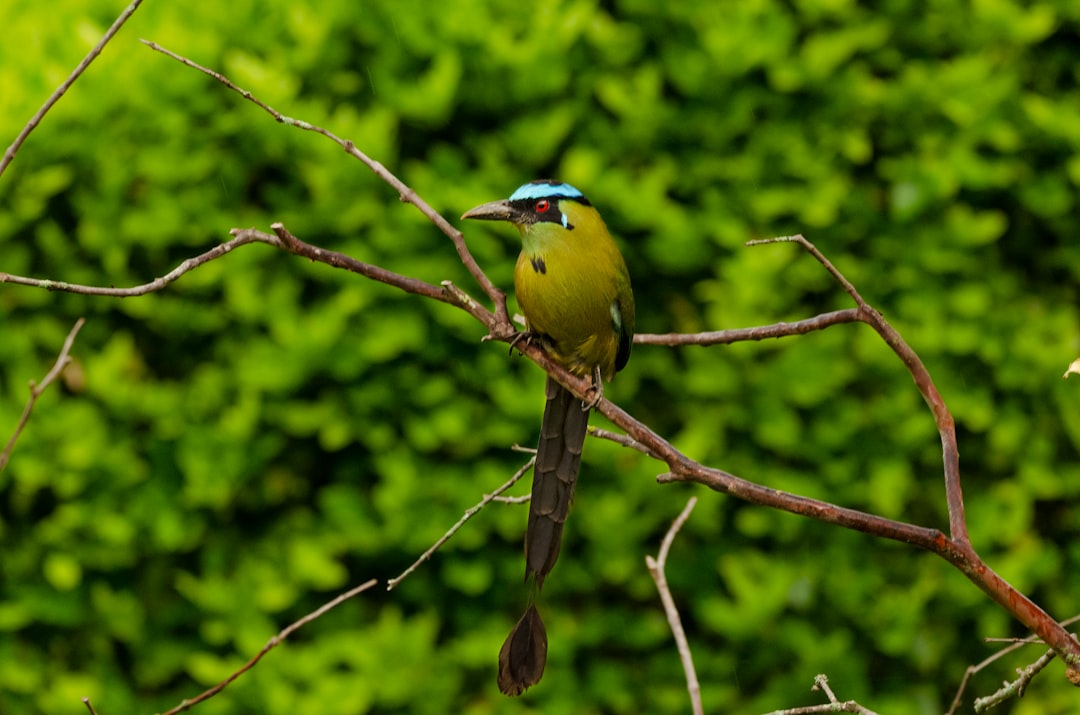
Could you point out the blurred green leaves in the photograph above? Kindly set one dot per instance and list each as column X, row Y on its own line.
column 266, row 432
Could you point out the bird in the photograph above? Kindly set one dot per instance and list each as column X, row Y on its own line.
column 573, row 287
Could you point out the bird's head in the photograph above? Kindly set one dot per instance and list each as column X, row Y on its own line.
column 538, row 202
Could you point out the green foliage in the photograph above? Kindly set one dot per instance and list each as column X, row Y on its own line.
column 266, row 432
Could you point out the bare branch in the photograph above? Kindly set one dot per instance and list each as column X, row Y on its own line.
column 447, row 293
column 31, row 125
column 1015, row 645
column 36, row 389
column 157, row 284
column 405, row 193
column 469, row 513
column 944, row 420
column 622, row 439
column 656, row 569
column 738, row 335
column 523, row 499
column 954, row 548
column 957, row 550
column 89, row 706
column 270, row 645
column 1016, row 688
column 833, row 706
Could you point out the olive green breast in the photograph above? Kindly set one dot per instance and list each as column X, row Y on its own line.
column 573, row 286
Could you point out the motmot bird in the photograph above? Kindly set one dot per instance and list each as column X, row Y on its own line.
column 573, row 287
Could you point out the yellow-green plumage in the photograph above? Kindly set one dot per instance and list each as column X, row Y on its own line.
column 574, row 289
column 571, row 300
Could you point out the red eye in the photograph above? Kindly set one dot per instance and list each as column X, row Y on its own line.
column 542, row 205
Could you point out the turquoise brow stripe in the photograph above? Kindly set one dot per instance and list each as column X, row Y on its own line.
column 538, row 190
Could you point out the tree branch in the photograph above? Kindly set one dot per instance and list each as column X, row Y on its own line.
column 833, row 706
column 1031, row 670
column 955, row 548
column 405, row 193
column 36, row 389
column 155, row 285
column 656, row 570
column 31, row 125
column 738, row 335
column 946, row 427
column 270, row 645
column 469, row 513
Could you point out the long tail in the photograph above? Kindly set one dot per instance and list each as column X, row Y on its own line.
column 558, row 459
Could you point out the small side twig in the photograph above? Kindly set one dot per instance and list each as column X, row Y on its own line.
column 1026, row 674
column 821, row 682
column 89, row 706
column 1016, row 688
column 469, row 514
column 37, row 388
column 270, row 645
column 622, row 439
column 656, row 569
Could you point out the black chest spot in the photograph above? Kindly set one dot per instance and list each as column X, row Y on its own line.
column 538, row 265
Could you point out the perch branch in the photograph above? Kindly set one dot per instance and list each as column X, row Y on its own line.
column 955, row 548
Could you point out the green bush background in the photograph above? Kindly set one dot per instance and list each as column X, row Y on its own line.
column 267, row 432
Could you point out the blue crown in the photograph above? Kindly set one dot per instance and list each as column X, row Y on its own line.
column 546, row 188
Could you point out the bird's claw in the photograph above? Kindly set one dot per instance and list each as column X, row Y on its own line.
column 595, row 391
column 529, row 336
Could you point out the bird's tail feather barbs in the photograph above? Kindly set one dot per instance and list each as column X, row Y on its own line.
column 523, row 654
column 558, row 459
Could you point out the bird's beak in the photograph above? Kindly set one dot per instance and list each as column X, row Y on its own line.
column 494, row 211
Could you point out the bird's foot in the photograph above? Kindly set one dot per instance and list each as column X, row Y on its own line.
column 595, row 393
column 527, row 335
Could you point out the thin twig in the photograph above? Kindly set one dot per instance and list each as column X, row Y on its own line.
column 621, row 439
column 9, row 155
column 833, row 706
column 37, row 388
column 242, row 238
column 523, row 499
column 656, row 569
column 270, row 645
column 89, row 706
column 405, row 193
column 469, row 513
column 1016, row 688
column 1015, row 645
